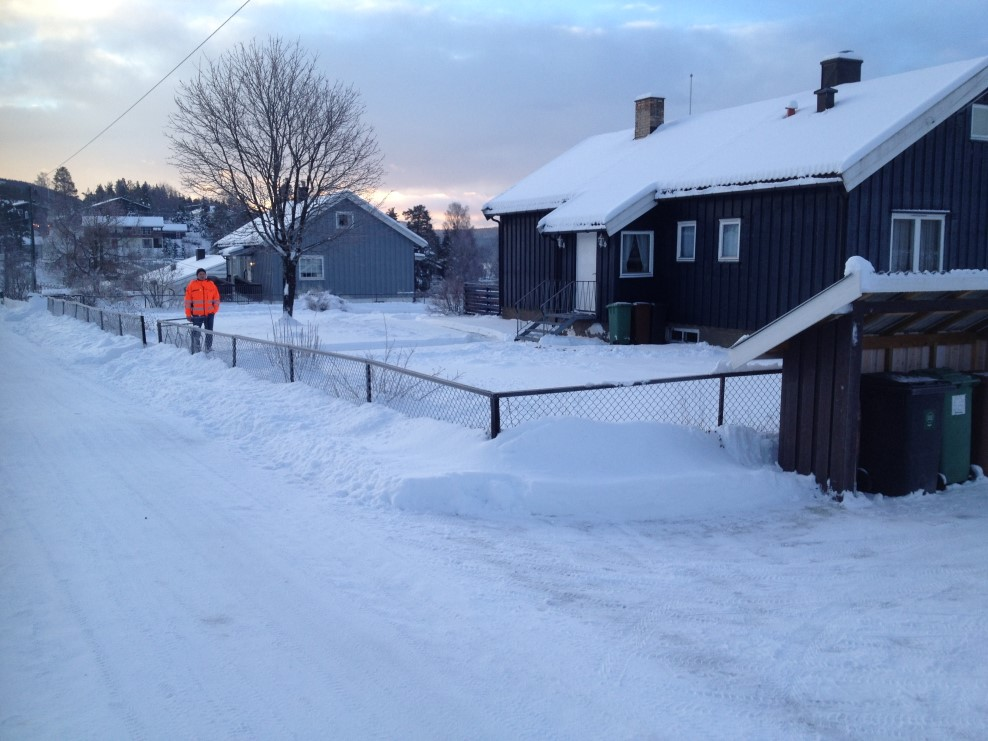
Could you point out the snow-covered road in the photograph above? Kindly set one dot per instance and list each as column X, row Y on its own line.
column 168, row 574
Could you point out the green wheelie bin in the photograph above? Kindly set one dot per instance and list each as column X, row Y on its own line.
column 619, row 323
column 955, row 449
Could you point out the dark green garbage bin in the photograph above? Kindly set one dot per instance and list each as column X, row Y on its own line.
column 619, row 323
column 955, row 449
column 641, row 323
column 901, row 433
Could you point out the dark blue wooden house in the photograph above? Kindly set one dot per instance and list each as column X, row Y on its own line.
column 357, row 252
column 725, row 221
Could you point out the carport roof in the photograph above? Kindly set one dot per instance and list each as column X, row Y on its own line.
column 888, row 304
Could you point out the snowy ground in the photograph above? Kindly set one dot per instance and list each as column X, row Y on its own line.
column 187, row 552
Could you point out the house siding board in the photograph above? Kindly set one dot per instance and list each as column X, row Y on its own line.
column 787, row 253
column 818, row 431
column 943, row 171
column 524, row 256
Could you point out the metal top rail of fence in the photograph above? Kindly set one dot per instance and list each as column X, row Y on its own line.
column 118, row 323
column 744, row 398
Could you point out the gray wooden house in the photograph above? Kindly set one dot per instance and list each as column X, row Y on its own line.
column 358, row 252
column 729, row 219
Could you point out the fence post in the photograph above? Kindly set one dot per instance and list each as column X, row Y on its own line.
column 720, row 403
column 234, row 361
column 120, row 325
column 144, row 331
column 102, row 329
column 160, row 340
column 495, row 415
column 291, row 365
column 367, row 376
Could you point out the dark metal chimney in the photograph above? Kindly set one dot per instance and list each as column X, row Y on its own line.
column 649, row 115
column 825, row 98
column 200, row 253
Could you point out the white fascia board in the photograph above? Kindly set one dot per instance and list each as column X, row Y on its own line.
column 630, row 212
column 953, row 280
column 873, row 160
column 611, row 222
column 832, row 300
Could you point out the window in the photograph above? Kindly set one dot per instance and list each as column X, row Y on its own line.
column 310, row 268
column 682, row 334
column 344, row 219
column 686, row 241
column 636, row 254
column 979, row 123
column 730, row 240
column 917, row 242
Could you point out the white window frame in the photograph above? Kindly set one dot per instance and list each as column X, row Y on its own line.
column 309, row 259
column 626, row 243
column 684, row 334
column 344, row 219
column 917, row 217
column 721, row 256
column 681, row 227
column 979, row 123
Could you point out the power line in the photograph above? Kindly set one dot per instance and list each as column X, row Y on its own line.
column 170, row 73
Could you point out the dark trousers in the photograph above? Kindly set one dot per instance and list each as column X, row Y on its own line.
column 205, row 321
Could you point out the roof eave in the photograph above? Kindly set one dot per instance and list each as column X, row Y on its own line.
column 868, row 163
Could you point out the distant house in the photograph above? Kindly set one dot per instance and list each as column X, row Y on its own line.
column 356, row 251
column 131, row 232
column 727, row 220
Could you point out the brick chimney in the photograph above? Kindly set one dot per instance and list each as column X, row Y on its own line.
column 840, row 69
column 649, row 115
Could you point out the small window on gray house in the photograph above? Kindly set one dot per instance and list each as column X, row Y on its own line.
column 636, row 254
column 979, row 123
column 344, row 219
column 310, row 267
column 730, row 240
column 686, row 241
column 917, row 242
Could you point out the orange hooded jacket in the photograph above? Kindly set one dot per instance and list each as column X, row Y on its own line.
column 201, row 298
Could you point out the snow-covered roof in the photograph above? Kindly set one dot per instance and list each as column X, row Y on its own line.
column 860, row 281
column 247, row 236
column 608, row 180
column 151, row 222
column 185, row 270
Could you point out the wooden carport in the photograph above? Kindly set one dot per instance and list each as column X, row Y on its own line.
column 864, row 323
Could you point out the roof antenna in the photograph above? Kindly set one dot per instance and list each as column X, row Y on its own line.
column 691, row 93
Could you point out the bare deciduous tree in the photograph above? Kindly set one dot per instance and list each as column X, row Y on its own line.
column 85, row 255
column 264, row 126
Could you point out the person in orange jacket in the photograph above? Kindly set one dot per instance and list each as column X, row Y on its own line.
column 202, row 301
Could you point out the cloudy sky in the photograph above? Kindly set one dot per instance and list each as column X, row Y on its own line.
column 465, row 96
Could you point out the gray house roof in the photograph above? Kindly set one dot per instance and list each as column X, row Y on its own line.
column 609, row 180
column 247, row 236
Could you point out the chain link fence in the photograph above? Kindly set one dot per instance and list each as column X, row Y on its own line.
column 745, row 398
column 109, row 321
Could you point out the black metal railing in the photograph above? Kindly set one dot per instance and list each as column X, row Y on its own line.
column 555, row 298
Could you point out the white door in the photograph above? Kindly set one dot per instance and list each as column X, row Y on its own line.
column 586, row 272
